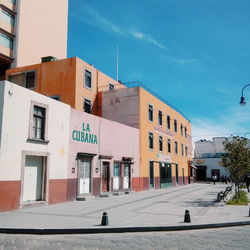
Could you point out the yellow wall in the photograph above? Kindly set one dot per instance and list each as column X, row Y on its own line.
column 147, row 126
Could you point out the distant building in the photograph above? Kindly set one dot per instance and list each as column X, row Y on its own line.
column 208, row 158
column 30, row 30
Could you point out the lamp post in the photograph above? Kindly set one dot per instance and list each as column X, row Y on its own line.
column 242, row 99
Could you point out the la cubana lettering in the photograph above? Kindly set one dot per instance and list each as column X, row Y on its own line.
column 84, row 135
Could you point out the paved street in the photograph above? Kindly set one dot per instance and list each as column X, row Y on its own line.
column 161, row 207
column 225, row 238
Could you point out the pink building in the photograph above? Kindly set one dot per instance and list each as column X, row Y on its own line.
column 103, row 157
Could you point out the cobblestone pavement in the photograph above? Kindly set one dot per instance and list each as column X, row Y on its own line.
column 223, row 238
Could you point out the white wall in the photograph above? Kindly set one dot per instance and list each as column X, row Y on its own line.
column 15, row 129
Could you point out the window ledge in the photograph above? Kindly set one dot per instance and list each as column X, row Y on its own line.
column 38, row 140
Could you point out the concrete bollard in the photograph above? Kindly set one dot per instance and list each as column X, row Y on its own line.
column 105, row 219
column 187, row 217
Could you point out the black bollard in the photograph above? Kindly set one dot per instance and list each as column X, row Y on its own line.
column 187, row 217
column 105, row 219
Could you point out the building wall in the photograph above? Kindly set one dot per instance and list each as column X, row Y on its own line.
column 114, row 140
column 15, row 144
column 130, row 106
column 41, row 30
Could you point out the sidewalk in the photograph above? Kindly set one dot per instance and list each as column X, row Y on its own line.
column 152, row 208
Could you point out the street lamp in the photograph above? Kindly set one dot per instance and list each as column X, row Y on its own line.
column 242, row 99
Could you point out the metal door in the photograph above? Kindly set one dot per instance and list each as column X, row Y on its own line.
column 126, row 178
column 116, row 177
column 84, row 176
column 151, row 174
column 33, row 178
column 105, row 177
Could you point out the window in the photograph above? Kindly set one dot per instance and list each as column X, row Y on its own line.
column 111, row 86
column 176, row 147
column 56, row 97
column 169, row 146
column 182, row 149
column 7, row 17
column 116, row 169
column 186, row 150
column 160, row 143
column 151, row 140
column 150, row 112
column 185, row 132
column 88, row 79
column 181, row 129
column 160, row 118
column 38, row 129
column 6, row 41
column 175, row 125
column 87, row 106
column 24, row 79
column 168, row 122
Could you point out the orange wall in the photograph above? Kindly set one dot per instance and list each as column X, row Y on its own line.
column 147, row 126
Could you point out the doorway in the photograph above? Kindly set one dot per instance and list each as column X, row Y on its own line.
column 116, row 178
column 105, row 176
column 126, row 178
column 84, row 176
column 151, row 174
column 34, row 181
column 165, row 175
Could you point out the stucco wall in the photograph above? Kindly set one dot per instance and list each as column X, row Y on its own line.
column 15, row 129
column 113, row 139
column 41, row 30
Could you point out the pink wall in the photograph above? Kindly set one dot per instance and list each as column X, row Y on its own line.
column 113, row 139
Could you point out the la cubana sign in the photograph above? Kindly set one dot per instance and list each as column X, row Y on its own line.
column 84, row 135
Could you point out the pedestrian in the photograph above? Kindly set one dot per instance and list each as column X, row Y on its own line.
column 214, row 178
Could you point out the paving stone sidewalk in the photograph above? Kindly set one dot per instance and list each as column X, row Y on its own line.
column 162, row 207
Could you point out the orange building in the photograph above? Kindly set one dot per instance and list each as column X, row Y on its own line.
column 165, row 134
column 70, row 80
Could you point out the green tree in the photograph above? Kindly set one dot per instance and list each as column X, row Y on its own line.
column 237, row 160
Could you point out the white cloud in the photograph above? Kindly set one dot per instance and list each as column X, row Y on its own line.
column 104, row 24
column 185, row 61
column 234, row 122
column 148, row 38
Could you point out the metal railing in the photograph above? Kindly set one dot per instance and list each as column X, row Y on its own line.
column 135, row 84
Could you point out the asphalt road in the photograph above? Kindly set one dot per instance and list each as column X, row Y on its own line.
column 223, row 238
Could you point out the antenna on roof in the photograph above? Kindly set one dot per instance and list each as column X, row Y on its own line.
column 117, row 62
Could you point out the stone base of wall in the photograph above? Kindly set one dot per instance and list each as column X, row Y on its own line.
column 9, row 195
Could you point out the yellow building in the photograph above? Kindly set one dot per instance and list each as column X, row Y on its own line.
column 165, row 134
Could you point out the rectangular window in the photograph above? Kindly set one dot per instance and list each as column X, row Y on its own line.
column 185, row 132
column 182, row 149
column 116, row 169
column 150, row 113
column 6, row 41
column 181, row 129
column 24, row 79
column 151, row 140
column 111, row 86
column 88, row 79
column 56, row 97
column 186, row 151
column 160, row 118
column 160, row 143
column 176, row 147
column 175, row 125
column 87, row 106
column 6, row 17
column 38, row 129
column 169, row 146
column 168, row 122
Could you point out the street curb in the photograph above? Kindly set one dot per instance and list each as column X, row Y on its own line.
column 118, row 230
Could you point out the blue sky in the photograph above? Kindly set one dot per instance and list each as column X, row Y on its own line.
column 194, row 53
